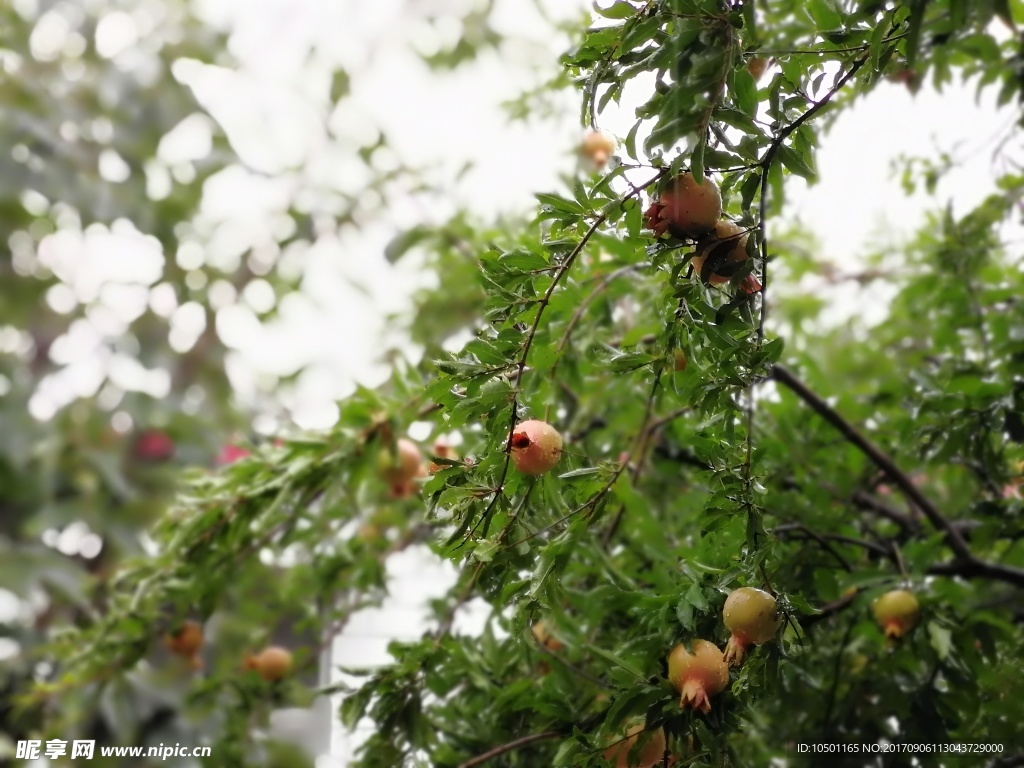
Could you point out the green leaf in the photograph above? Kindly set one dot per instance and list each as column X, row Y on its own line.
column 749, row 189
column 341, row 85
column 401, row 244
column 697, row 157
column 695, row 597
column 825, row 14
column 523, row 260
column 796, row 163
column 875, row 46
column 630, row 361
column 558, row 203
column 617, row 661
column 630, row 141
column 484, row 551
column 581, row 472
column 915, row 23
column 617, row 10
column 941, row 639
column 744, row 91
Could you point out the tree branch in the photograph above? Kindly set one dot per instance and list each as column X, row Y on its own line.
column 966, row 564
column 501, row 749
column 866, row 501
column 766, row 164
column 882, row 461
column 830, row 609
column 823, row 539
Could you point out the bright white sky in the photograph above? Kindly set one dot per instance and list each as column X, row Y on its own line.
column 275, row 112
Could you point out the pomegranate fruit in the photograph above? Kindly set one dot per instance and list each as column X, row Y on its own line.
column 699, row 675
column 757, row 66
column 153, row 445
column 536, row 447
column 649, row 755
column 406, row 489
column 186, row 640
column 442, row 450
column 751, row 616
column 598, row 147
column 679, row 361
column 401, row 465
column 726, row 246
column 897, row 612
column 272, row 663
column 685, row 208
column 542, row 634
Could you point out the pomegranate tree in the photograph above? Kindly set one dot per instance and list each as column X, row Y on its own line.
column 897, row 612
column 751, row 615
column 536, row 447
column 698, row 675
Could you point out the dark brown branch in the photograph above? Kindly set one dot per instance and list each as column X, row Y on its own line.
column 829, row 609
column 882, row 461
column 510, row 746
column 966, row 564
column 824, row 538
column 866, row 501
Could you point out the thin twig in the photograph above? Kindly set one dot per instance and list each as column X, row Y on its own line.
column 779, row 530
column 578, row 314
column 510, row 746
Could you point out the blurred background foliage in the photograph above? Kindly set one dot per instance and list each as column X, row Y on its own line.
column 137, row 492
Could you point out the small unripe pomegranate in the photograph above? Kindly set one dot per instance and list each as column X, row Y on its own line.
column 186, row 640
column 402, row 465
column 406, row 489
column 699, row 675
column 649, row 755
column 897, row 612
column 442, row 450
column 685, row 207
column 598, row 147
column 536, row 447
column 727, row 246
column 370, row 533
column 757, row 66
column 542, row 634
column 272, row 663
column 153, row 445
column 751, row 616
column 679, row 361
